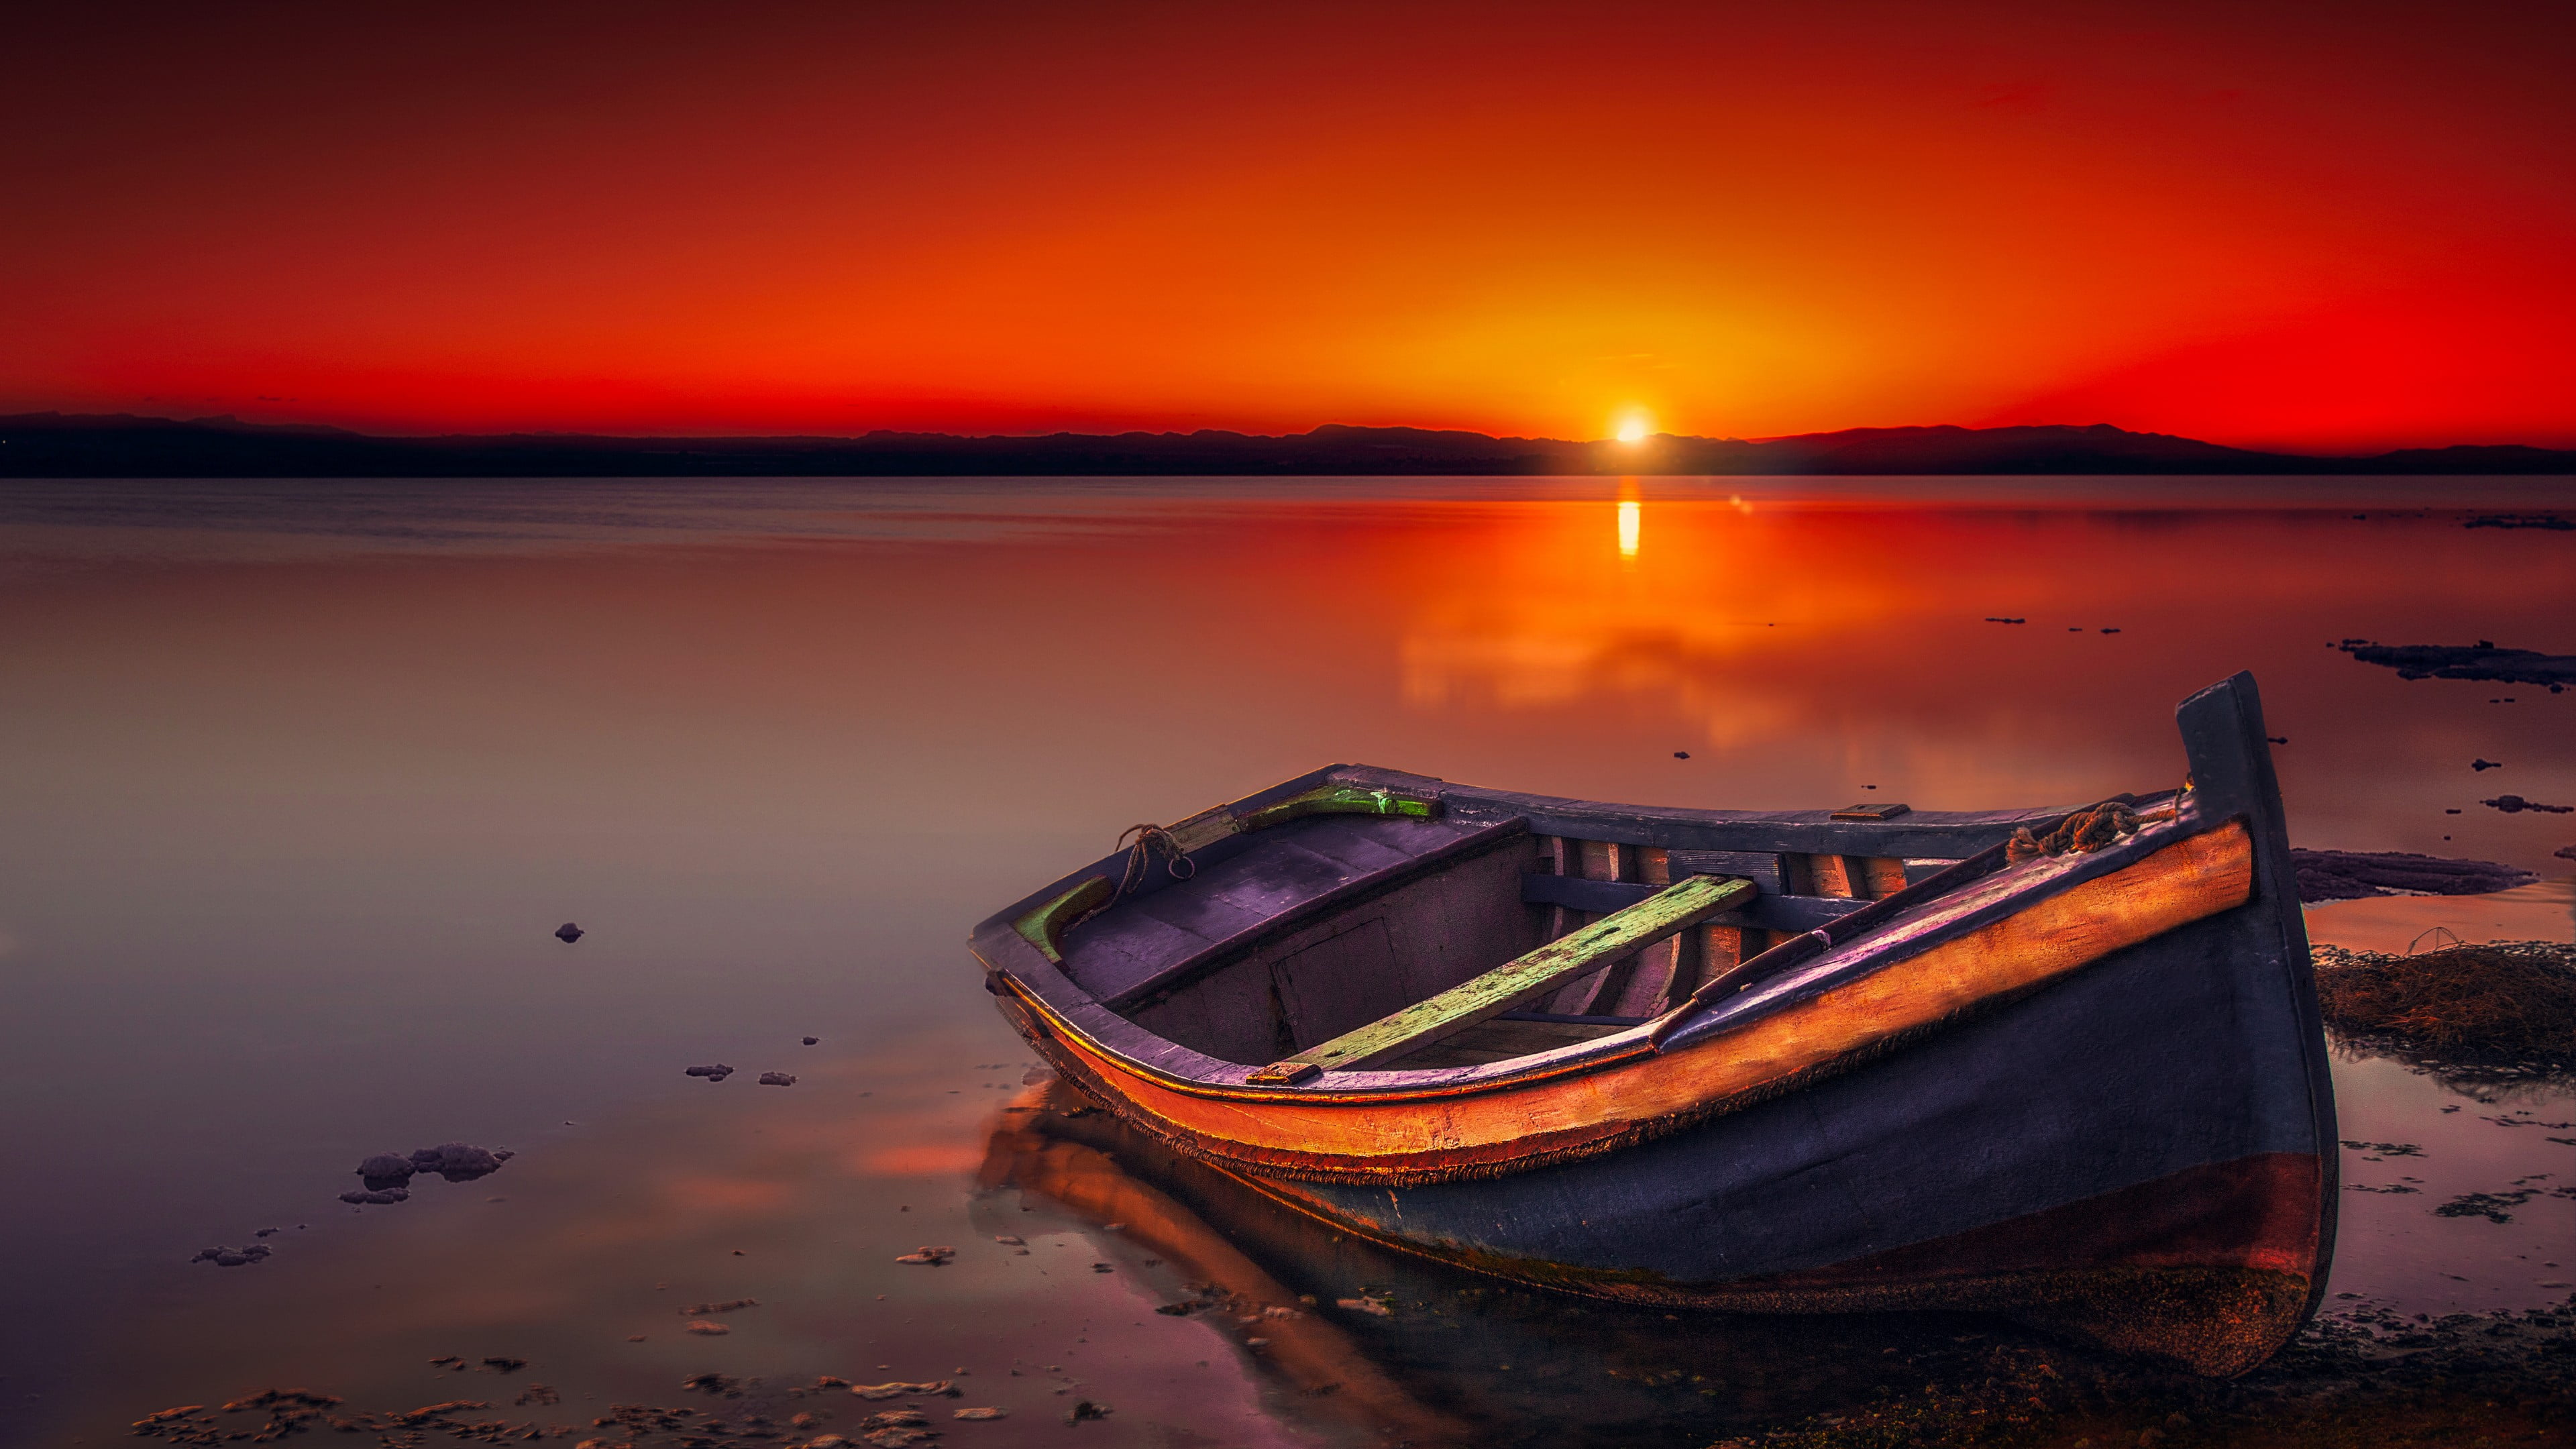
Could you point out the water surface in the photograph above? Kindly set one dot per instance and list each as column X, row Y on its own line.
column 296, row 778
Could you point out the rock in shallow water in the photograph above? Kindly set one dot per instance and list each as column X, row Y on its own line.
column 2343, row 875
column 458, row 1161
column 776, row 1079
column 568, row 933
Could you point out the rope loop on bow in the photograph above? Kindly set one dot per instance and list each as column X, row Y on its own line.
column 1143, row 843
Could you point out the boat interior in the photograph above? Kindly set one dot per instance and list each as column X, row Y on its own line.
column 1452, row 939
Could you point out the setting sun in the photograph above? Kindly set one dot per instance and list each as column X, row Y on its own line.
column 1634, row 428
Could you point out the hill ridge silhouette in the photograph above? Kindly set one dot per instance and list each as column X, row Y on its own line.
column 127, row 445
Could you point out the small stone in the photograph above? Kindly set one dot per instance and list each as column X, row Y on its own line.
column 1681, row 754
column 1086, row 1409
column 387, row 1167
column 568, row 933
column 980, row 1416
column 714, row 1073
column 931, row 1257
column 776, row 1079
column 1012, row 1240
column 707, row 1329
column 809, row 1041
column 375, row 1196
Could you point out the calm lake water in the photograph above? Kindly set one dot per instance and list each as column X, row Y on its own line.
column 297, row 778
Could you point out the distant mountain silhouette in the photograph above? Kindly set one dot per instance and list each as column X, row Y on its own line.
column 56, row 445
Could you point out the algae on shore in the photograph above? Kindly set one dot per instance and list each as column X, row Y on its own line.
column 2490, row 1004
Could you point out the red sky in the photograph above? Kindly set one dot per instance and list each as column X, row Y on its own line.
column 2329, row 227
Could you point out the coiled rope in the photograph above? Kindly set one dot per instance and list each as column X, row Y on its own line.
column 2082, row 833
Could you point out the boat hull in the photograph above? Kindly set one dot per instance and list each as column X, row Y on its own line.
column 2086, row 1092
column 2092, row 1158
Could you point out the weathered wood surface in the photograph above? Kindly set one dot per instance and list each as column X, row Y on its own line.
column 1792, row 914
column 1921, row 833
column 1762, row 867
column 1348, row 966
column 1880, row 876
column 1500, row 1040
column 1516, row 983
column 1152, row 945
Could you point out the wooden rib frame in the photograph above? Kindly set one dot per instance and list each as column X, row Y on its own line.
column 1397, row 1136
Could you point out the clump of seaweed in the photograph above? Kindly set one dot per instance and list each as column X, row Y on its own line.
column 2496, row 1003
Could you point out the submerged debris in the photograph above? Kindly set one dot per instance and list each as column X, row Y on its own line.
column 459, row 1161
column 386, row 1168
column 387, row 1175
column 2515, row 805
column 2495, row 1206
column 2343, row 875
column 701, row 1310
column 2493, row 1003
column 2480, row 661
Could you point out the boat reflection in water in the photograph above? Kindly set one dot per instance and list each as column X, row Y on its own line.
column 1353, row 1335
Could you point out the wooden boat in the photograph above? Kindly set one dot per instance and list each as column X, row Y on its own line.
column 2060, row 1064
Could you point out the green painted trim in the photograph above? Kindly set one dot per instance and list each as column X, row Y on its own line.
column 1516, row 983
column 1337, row 800
column 1042, row 925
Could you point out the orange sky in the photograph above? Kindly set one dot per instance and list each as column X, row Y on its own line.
column 2324, row 227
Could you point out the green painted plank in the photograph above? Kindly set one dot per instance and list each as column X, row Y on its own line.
column 1043, row 925
column 1337, row 800
column 1516, row 983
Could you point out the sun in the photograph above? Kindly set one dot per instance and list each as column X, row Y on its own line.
column 1634, row 428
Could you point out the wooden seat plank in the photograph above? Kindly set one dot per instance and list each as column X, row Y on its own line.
column 1517, row 983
